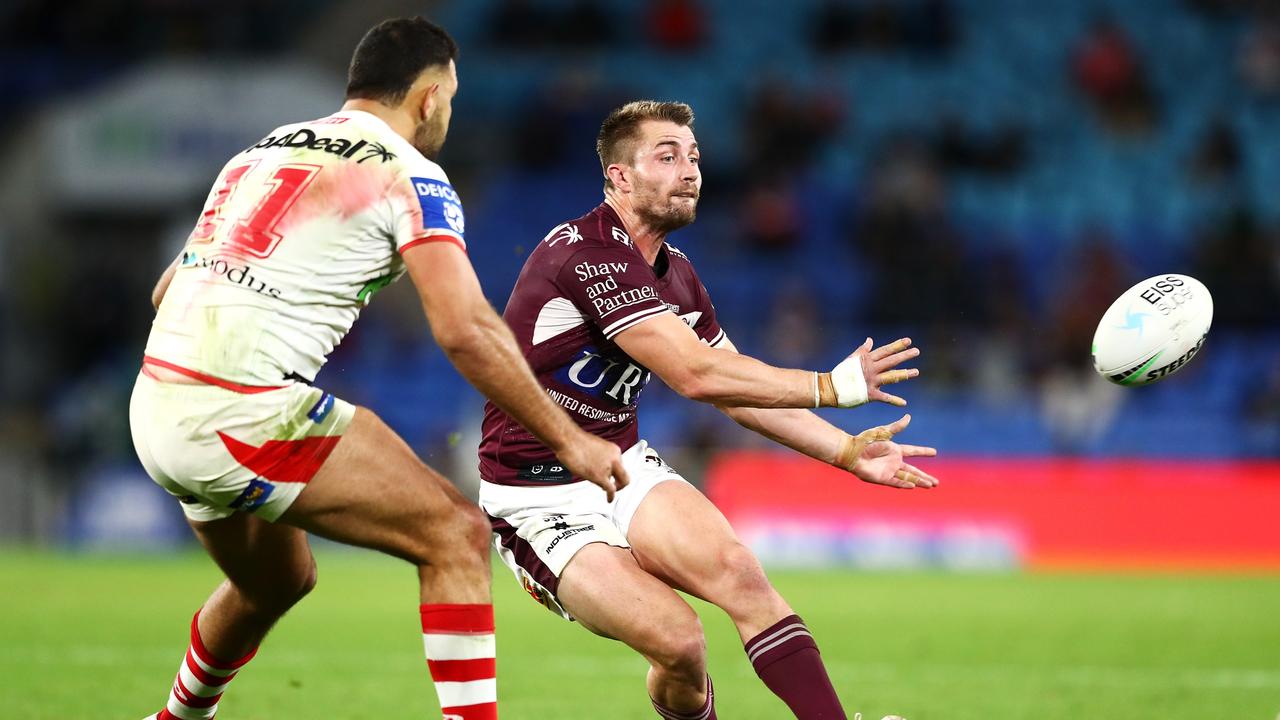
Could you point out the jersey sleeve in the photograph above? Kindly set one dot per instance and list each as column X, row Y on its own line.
column 611, row 287
column 427, row 209
column 707, row 326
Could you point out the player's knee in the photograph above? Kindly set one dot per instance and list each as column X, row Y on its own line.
column 682, row 648
column 284, row 588
column 460, row 538
column 475, row 530
column 742, row 572
column 305, row 581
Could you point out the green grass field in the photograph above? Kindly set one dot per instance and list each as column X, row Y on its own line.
column 100, row 636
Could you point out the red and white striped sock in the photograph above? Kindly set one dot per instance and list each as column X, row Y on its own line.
column 202, row 678
column 461, row 655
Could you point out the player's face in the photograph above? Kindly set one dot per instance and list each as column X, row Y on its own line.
column 666, row 179
column 429, row 135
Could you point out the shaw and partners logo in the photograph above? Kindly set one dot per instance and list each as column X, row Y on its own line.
column 603, row 378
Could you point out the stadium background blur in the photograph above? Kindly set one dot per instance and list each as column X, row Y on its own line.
column 982, row 175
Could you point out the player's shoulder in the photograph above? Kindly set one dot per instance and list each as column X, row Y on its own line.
column 680, row 261
column 599, row 230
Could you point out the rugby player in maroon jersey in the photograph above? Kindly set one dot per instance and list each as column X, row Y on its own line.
column 603, row 302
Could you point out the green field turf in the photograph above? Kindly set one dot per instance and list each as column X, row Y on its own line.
column 101, row 637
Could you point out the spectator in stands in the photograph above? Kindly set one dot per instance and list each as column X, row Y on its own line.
column 923, row 26
column 791, row 334
column 959, row 148
column 1078, row 407
column 520, row 24
column 786, row 128
column 1240, row 262
column 677, row 25
column 908, row 238
column 1108, row 72
column 1217, row 157
column 1259, row 56
column 585, row 24
column 771, row 216
column 547, row 135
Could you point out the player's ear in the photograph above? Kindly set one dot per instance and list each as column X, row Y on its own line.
column 430, row 99
column 620, row 176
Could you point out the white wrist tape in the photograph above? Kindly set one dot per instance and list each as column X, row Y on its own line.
column 850, row 385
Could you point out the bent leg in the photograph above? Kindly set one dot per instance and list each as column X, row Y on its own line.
column 701, row 555
column 609, row 594
column 374, row 492
column 268, row 568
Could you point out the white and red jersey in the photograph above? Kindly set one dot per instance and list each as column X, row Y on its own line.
column 298, row 233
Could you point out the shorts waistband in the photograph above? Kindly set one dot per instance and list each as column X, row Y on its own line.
column 204, row 378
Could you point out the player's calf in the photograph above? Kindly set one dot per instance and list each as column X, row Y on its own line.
column 786, row 658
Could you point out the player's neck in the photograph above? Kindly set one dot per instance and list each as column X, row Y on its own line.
column 395, row 118
column 646, row 239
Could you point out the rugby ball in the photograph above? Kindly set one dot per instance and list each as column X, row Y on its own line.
column 1152, row 330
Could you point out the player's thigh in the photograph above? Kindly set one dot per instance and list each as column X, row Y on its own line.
column 608, row 593
column 374, row 492
column 679, row 536
column 264, row 560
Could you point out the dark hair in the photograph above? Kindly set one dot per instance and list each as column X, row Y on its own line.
column 392, row 55
column 622, row 127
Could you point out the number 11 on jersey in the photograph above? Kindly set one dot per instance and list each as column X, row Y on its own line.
column 255, row 231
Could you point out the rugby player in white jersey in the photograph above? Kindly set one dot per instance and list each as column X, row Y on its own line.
column 299, row 231
column 603, row 302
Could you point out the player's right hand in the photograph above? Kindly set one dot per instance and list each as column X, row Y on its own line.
column 596, row 460
column 880, row 367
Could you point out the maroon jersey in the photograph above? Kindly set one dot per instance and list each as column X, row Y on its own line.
column 585, row 283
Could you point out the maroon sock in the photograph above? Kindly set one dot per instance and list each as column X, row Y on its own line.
column 706, row 712
column 786, row 658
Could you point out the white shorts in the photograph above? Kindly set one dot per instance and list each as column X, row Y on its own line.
column 221, row 451
column 537, row 530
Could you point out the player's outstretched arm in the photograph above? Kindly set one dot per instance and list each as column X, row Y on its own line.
column 482, row 348
column 873, row 458
column 670, row 348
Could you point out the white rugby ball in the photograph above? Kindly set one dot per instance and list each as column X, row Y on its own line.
column 1152, row 330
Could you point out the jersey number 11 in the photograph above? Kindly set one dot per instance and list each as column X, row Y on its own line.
column 255, row 232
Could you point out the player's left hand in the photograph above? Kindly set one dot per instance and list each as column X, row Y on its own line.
column 873, row 457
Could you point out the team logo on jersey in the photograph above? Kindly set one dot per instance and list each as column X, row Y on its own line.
column 565, row 232
column 609, row 380
column 441, row 206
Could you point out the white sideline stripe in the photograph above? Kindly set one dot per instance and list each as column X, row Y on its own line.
column 630, row 320
column 196, row 687
column 764, row 648
column 459, row 647
column 456, row 694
